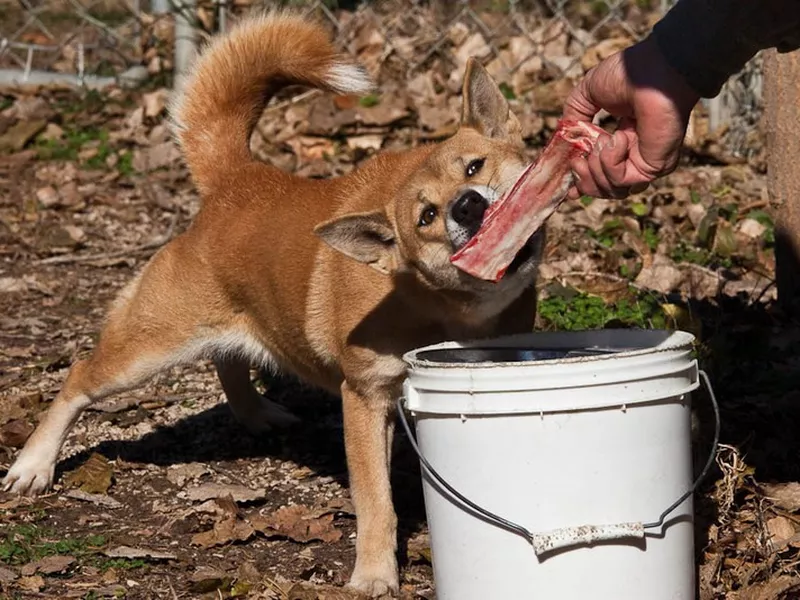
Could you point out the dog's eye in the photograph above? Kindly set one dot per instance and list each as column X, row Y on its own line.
column 427, row 216
column 474, row 166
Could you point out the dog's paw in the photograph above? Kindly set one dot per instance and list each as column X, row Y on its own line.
column 378, row 581
column 29, row 476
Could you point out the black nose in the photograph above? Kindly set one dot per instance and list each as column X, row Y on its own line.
column 468, row 210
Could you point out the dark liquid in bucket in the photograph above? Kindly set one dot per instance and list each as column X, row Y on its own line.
column 501, row 355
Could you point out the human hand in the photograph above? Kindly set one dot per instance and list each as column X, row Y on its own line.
column 652, row 102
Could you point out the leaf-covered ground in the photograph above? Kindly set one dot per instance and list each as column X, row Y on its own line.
column 161, row 495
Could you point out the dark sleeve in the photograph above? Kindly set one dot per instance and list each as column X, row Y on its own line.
column 707, row 41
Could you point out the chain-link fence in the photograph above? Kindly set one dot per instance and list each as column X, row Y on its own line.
column 533, row 47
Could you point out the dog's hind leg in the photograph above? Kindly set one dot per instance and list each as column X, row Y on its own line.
column 152, row 325
column 252, row 410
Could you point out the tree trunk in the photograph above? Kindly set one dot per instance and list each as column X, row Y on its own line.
column 782, row 128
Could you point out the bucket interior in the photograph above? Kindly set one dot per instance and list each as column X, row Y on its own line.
column 510, row 354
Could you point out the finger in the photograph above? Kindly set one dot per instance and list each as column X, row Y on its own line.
column 585, row 183
column 608, row 189
column 616, row 162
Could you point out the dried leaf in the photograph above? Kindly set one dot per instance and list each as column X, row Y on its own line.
column 17, row 136
column 129, row 552
column 48, row 565
column 206, row 579
column 662, row 276
column 155, row 102
column 179, row 474
column 239, row 493
column 94, row 476
column 15, row 433
column 99, row 499
column 770, row 590
column 780, row 530
column 419, row 548
column 785, row 495
column 298, row 523
column 7, row 575
column 9, row 285
column 33, row 583
column 230, row 529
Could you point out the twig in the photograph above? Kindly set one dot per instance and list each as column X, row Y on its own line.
column 82, row 258
column 753, row 205
column 291, row 101
column 609, row 276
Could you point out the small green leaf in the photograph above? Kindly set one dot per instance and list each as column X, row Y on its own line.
column 369, row 100
column 586, row 200
column 639, row 209
column 696, row 199
column 507, row 91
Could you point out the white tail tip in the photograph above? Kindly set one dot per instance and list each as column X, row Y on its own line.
column 349, row 78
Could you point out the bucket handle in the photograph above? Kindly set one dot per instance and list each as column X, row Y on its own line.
column 583, row 534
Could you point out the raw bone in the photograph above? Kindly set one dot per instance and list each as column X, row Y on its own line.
column 511, row 221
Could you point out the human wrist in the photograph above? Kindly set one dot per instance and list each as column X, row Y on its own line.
column 661, row 75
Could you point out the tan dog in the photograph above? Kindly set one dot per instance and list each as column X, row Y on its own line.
column 251, row 280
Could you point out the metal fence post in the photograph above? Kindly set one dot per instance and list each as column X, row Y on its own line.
column 185, row 40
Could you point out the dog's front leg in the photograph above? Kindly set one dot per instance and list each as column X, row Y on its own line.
column 367, row 434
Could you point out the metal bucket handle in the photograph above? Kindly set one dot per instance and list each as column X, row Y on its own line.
column 584, row 534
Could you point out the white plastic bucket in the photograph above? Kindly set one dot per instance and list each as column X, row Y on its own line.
column 581, row 439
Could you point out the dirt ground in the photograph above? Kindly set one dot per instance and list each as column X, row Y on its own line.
column 160, row 494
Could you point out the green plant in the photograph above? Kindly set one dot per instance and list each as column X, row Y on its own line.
column 584, row 311
column 70, row 145
column 125, row 163
column 684, row 252
column 122, row 564
column 607, row 235
column 22, row 543
column 650, row 237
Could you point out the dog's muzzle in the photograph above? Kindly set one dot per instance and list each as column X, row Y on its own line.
column 466, row 216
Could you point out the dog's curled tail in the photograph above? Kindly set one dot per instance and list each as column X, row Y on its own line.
column 234, row 77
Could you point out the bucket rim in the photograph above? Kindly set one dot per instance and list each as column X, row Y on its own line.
column 673, row 341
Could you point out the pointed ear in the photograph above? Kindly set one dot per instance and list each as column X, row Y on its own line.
column 365, row 237
column 485, row 108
